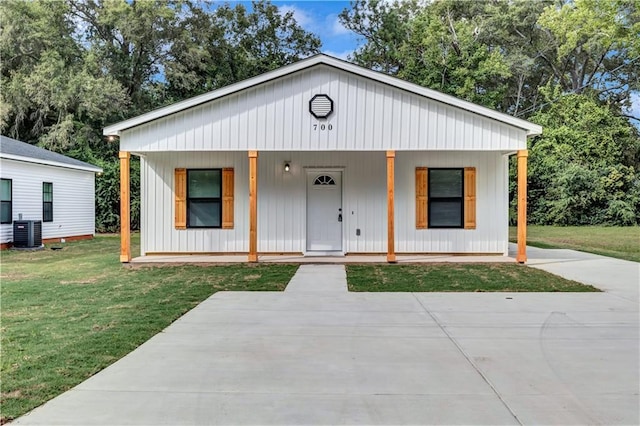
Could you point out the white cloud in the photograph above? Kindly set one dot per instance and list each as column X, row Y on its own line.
column 336, row 26
column 634, row 109
column 635, row 105
column 302, row 17
column 340, row 55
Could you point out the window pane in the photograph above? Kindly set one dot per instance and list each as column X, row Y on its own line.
column 47, row 212
column 5, row 212
column 47, row 192
column 204, row 183
column 5, row 190
column 445, row 183
column 204, row 213
column 445, row 214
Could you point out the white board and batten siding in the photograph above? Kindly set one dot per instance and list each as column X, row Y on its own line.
column 368, row 116
column 282, row 202
column 73, row 198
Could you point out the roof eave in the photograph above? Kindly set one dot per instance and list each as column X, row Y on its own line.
column 92, row 169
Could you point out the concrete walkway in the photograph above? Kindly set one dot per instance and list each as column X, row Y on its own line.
column 333, row 357
column 318, row 278
column 615, row 276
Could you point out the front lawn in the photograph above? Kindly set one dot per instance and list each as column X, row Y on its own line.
column 68, row 314
column 457, row 277
column 614, row 241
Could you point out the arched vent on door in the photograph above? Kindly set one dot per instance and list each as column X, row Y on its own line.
column 324, row 180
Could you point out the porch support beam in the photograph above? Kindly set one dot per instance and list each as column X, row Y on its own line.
column 253, row 206
column 521, row 257
column 391, row 253
column 125, row 206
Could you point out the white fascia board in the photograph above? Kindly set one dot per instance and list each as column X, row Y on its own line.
column 92, row 169
column 115, row 129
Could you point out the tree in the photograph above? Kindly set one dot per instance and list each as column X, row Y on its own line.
column 384, row 27
column 452, row 48
column 53, row 91
column 131, row 40
column 583, row 170
column 593, row 45
column 233, row 44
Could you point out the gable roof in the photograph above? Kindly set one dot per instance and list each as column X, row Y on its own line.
column 322, row 59
column 13, row 149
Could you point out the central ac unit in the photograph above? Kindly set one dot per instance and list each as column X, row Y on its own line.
column 27, row 233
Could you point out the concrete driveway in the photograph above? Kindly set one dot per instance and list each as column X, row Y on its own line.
column 312, row 356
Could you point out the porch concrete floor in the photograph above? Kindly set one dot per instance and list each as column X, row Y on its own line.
column 417, row 258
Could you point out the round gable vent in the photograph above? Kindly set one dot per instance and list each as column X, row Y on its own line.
column 321, row 106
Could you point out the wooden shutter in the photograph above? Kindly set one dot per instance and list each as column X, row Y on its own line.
column 180, row 196
column 469, row 198
column 227, row 198
column 421, row 198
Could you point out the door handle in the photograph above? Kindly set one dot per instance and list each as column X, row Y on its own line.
column 339, row 217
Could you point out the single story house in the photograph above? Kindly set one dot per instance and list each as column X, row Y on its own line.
column 37, row 184
column 323, row 157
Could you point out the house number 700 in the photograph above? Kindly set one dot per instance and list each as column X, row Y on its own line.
column 323, row 126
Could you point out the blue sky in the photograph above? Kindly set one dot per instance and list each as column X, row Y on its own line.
column 320, row 18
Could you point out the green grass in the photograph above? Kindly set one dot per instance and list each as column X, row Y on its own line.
column 68, row 314
column 613, row 241
column 457, row 277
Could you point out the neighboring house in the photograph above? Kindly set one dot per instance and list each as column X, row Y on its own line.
column 323, row 157
column 37, row 184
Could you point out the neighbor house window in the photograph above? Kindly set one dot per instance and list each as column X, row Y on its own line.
column 6, row 197
column 47, row 202
column 446, row 198
column 204, row 198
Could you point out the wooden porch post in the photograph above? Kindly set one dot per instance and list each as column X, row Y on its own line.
column 125, row 205
column 522, row 206
column 253, row 206
column 391, row 253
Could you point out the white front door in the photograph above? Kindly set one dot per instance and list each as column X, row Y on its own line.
column 324, row 211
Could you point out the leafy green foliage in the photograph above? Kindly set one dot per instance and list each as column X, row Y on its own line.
column 584, row 168
column 108, row 196
column 232, row 44
column 385, row 27
column 451, row 49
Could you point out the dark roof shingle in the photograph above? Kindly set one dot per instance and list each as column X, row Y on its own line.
column 15, row 147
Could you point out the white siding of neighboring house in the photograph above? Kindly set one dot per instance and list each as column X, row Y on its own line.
column 368, row 116
column 282, row 202
column 73, row 198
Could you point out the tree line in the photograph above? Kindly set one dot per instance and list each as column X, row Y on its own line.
column 71, row 67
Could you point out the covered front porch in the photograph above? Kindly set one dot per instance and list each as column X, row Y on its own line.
column 378, row 197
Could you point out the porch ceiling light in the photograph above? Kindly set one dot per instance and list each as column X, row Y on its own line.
column 321, row 106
